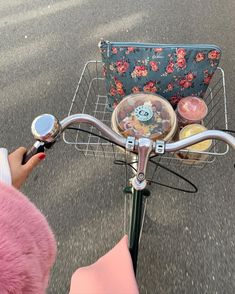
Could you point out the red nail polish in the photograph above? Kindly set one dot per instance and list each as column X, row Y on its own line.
column 42, row 156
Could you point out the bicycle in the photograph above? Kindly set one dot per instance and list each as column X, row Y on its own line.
column 47, row 129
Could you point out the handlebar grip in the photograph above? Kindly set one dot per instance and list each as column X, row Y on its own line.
column 36, row 148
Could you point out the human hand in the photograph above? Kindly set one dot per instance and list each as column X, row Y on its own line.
column 19, row 172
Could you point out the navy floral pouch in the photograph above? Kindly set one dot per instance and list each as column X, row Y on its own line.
column 173, row 71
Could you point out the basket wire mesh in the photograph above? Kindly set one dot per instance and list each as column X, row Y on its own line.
column 90, row 98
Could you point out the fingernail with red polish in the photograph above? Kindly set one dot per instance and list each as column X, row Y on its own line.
column 42, row 156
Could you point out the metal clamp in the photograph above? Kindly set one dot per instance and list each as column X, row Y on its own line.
column 137, row 184
column 160, row 147
column 130, row 143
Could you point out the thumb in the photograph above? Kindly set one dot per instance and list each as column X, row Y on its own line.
column 34, row 161
column 18, row 154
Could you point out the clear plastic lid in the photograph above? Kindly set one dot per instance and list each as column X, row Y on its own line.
column 145, row 115
column 192, row 108
column 194, row 129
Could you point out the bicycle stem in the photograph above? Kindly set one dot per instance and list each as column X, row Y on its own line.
column 145, row 147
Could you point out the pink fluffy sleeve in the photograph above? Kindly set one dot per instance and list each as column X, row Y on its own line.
column 27, row 245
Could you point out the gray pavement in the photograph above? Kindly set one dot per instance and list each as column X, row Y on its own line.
column 188, row 243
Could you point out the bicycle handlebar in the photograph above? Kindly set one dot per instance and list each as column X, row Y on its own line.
column 205, row 135
column 46, row 128
column 85, row 118
column 169, row 147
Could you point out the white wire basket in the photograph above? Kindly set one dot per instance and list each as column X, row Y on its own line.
column 90, row 98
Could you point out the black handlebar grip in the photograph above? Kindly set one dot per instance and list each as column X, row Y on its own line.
column 32, row 151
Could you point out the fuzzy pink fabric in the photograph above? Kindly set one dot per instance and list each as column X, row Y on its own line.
column 27, row 245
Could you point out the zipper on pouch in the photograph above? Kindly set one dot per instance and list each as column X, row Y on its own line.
column 109, row 45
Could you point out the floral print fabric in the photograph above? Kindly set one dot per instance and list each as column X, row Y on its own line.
column 171, row 71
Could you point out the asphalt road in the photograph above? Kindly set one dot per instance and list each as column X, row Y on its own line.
column 188, row 243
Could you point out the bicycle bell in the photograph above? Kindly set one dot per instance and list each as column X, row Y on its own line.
column 46, row 128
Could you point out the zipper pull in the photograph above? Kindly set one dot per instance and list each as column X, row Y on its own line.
column 102, row 44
